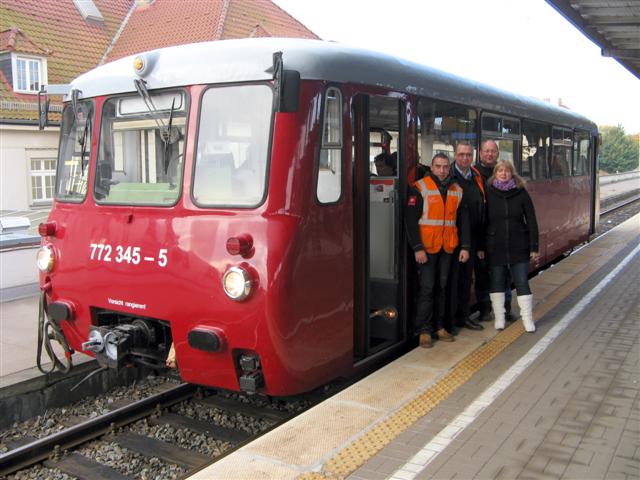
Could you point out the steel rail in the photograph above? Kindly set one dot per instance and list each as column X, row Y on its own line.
column 44, row 448
column 623, row 203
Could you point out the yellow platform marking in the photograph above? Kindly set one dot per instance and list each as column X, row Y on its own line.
column 359, row 451
column 366, row 446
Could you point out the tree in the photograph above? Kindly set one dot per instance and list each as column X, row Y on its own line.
column 619, row 152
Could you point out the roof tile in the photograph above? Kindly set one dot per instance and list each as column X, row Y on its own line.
column 72, row 45
column 245, row 15
column 14, row 40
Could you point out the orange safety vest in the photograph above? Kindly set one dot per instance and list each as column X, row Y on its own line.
column 438, row 221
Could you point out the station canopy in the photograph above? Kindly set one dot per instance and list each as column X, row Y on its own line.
column 613, row 25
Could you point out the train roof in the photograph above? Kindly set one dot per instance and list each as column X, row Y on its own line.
column 252, row 59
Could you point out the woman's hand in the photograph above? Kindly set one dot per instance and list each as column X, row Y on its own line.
column 535, row 256
column 481, row 254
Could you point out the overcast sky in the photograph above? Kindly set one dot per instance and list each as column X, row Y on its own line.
column 523, row 46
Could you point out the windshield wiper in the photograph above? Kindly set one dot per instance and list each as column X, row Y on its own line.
column 83, row 144
column 141, row 88
column 165, row 135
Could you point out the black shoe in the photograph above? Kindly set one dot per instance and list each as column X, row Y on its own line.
column 472, row 325
column 485, row 316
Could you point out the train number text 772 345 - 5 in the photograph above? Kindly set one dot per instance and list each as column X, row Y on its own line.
column 103, row 252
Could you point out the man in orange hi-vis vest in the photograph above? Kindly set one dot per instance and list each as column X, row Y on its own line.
column 433, row 206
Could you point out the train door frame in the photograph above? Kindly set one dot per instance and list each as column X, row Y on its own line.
column 594, row 165
column 377, row 327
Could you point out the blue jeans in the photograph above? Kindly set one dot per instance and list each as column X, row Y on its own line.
column 519, row 274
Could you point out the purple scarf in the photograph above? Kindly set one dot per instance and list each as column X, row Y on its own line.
column 504, row 186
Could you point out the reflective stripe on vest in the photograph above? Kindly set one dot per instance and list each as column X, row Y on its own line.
column 438, row 221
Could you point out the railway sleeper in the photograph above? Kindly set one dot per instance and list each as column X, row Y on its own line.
column 151, row 447
column 232, row 406
column 84, row 468
column 199, row 426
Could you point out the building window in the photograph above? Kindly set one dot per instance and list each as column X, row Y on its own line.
column 43, row 179
column 29, row 74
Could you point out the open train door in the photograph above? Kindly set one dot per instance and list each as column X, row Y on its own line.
column 380, row 318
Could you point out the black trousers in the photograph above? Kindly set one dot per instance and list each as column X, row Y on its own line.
column 459, row 289
column 432, row 295
column 481, row 284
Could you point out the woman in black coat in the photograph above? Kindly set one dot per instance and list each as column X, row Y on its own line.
column 511, row 241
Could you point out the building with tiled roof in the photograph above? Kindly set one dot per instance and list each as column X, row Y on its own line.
column 162, row 23
column 53, row 41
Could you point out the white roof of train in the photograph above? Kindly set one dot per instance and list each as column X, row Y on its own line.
column 252, row 60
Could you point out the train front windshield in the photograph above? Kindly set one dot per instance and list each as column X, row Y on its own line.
column 141, row 156
column 233, row 146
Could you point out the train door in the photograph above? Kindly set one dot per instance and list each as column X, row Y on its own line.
column 378, row 152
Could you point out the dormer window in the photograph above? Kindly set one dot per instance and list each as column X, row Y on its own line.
column 29, row 73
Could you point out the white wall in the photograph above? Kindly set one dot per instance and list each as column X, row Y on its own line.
column 18, row 144
column 18, row 267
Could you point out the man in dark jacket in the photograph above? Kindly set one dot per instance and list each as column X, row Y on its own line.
column 431, row 234
column 461, row 273
column 489, row 153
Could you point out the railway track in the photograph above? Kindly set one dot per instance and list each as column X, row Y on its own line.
column 184, row 411
column 620, row 204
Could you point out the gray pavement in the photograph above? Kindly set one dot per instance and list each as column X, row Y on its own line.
column 573, row 414
column 18, row 342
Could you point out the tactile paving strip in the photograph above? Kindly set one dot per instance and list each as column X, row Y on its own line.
column 362, row 449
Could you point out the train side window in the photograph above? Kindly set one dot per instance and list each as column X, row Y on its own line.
column 329, row 186
column 562, row 141
column 441, row 126
column 580, row 154
column 506, row 133
column 535, row 148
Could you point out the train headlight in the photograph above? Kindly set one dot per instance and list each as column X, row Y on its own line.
column 45, row 259
column 237, row 283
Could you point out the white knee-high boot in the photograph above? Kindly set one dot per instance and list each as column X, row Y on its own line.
column 525, row 302
column 497, row 303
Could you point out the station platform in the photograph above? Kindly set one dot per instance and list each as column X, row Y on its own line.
column 19, row 342
column 563, row 402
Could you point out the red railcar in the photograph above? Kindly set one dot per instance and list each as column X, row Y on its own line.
column 220, row 197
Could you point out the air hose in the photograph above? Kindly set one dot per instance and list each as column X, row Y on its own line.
column 48, row 330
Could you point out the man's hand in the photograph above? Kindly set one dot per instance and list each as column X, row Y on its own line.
column 464, row 256
column 421, row 256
